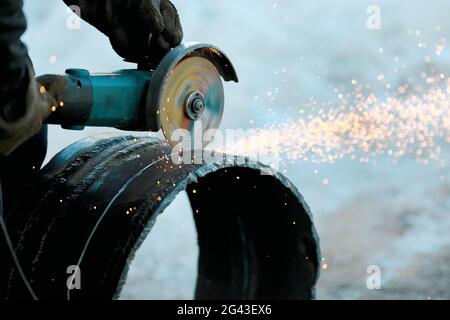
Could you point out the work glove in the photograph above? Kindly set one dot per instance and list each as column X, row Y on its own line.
column 27, row 107
column 139, row 30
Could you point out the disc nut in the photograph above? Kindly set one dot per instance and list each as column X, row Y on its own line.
column 194, row 105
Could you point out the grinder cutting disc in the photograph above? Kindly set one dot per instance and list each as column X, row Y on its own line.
column 193, row 92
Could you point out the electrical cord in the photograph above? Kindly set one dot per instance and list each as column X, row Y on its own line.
column 11, row 249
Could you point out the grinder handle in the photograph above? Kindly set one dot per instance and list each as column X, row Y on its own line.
column 103, row 100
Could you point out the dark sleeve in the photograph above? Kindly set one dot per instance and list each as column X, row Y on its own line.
column 13, row 57
column 94, row 12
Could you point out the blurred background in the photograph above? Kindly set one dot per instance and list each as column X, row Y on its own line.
column 293, row 56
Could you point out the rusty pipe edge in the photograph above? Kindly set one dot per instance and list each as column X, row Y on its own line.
column 256, row 236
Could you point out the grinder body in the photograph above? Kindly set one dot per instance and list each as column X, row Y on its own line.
column 185, row 87
column 103, row 100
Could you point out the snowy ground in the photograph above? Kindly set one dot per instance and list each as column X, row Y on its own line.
column 395, row 216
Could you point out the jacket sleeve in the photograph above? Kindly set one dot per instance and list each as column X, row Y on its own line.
column 22, row 107
column 14, row 59
column 94, row 12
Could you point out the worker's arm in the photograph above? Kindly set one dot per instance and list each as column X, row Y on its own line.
column 13, row 54
column 23, row 105
column 129, row 24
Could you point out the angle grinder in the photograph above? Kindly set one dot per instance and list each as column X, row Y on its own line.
column 185, row 87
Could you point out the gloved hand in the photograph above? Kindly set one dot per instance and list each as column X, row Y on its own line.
column 130, row 24
column 28, row 107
